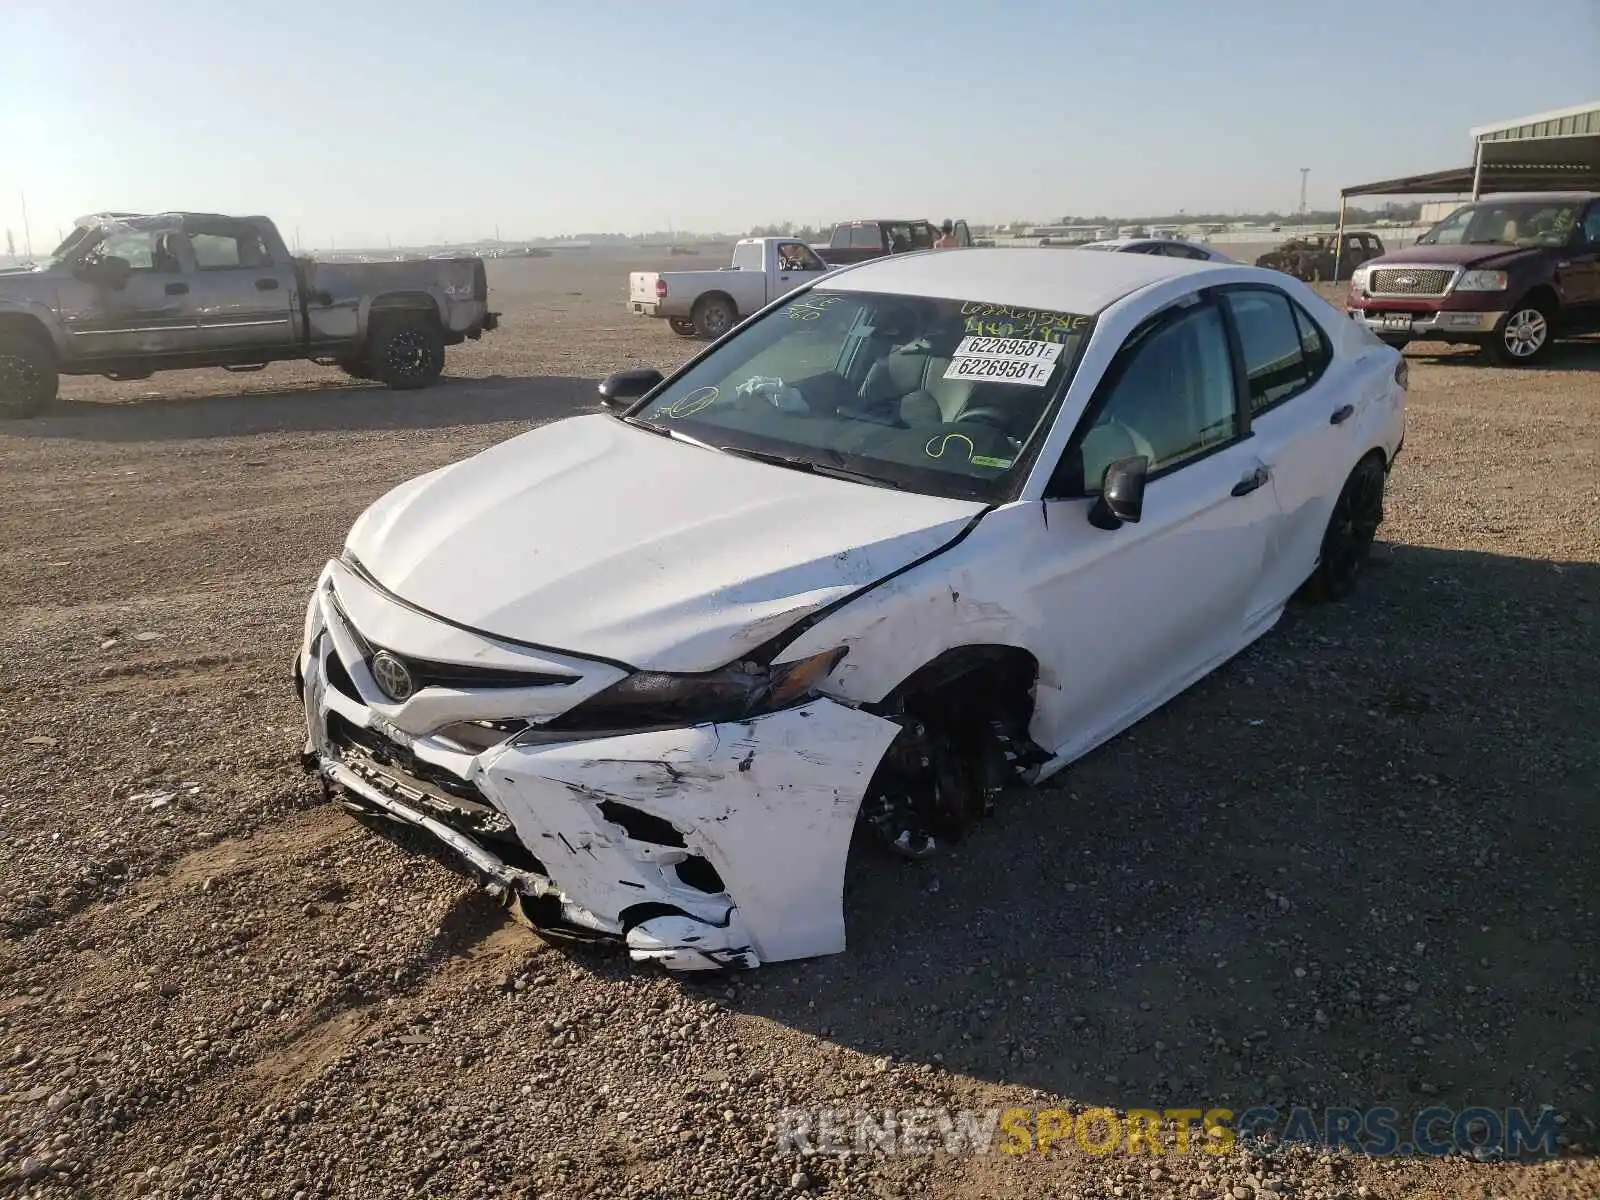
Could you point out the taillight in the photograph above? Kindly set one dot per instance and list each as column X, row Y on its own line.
column 1402, row 373
column 661, row 288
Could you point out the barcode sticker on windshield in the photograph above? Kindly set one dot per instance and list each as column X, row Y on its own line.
column 1001, row 370
column 1009, row 348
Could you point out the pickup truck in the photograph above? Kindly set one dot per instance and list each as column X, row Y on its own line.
column 857, row 241
column 127, row 295
column 706, row 304
column 1507, row 274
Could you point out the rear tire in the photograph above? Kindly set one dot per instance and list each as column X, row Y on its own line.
column 1352, row 526
column 682, row 326
column 406, row 351
column 1523, row 335
column 713, row 317
column 29, row 382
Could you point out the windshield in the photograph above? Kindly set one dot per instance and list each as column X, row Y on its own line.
column 71, row 242
column 935, row 396
column 1506, row 223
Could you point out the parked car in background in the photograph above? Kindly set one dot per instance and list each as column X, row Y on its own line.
column 127, row 295
column 1509, row 275
column 707, row 304
column 1163, row 246
column 924, row 527
column 1321, row 257
column 858, row 241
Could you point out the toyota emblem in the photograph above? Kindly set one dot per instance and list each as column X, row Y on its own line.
column 1407, row 281
column 392, row 676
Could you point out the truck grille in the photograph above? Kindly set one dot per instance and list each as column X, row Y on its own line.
column 1410, row 281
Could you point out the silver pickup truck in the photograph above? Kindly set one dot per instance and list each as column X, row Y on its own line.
column 127, row 295
column 706, row 304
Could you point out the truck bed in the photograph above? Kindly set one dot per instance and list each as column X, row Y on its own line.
column 334, row 292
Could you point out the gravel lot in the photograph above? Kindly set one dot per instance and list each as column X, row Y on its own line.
column 1354, row 867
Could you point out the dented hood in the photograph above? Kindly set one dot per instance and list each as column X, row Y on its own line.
column 594, row 537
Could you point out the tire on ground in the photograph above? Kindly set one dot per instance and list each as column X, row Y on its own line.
column 29, row 381
column 1524, row 334
column 682, row 326
column 405, row 350
column 714, row 316
column 1352, row 526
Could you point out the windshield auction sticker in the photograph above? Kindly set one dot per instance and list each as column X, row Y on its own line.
column 1004, row 360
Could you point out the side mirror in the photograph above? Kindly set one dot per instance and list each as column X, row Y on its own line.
column 621, row 388
column 1121, row 496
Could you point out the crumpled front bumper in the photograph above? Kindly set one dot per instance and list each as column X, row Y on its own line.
column 703, row 847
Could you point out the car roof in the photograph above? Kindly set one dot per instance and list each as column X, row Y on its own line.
column 1022, row 276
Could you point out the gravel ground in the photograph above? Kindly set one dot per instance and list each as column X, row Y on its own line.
column 1354, row 867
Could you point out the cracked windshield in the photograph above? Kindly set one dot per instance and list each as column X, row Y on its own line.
column 934, row 395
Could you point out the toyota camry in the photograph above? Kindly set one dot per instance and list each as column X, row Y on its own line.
column 929, row 527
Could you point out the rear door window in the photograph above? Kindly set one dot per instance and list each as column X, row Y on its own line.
column 1284, row 352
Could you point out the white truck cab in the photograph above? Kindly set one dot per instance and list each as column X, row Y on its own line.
column 706, row 304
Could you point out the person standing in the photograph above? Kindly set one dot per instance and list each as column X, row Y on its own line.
column 947, row 236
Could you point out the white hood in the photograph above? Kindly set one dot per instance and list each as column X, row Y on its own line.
column 590, row 536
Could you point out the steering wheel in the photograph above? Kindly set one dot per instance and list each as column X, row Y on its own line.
column 993, row 417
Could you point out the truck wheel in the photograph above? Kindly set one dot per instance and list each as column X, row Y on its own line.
column 28, row 378
column 682, row 326
column 713, row 317
column 406, row 351
column 1523, row 335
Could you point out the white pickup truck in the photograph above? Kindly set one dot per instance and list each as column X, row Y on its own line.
column 706, row 304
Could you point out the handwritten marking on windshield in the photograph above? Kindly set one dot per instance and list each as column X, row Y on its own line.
column 811, row 308
column 686, row 406
column 942, row 440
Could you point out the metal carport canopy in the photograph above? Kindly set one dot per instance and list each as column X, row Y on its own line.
column 1551, row 152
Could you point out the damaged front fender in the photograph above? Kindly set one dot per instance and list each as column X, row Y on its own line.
column 725, row 842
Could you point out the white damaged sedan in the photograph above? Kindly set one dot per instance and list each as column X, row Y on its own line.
column 931, row 525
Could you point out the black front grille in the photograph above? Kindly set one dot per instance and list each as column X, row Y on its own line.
column 1410, row 281
column 426, row 673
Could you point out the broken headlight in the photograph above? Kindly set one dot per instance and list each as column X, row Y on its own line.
column 649, row 699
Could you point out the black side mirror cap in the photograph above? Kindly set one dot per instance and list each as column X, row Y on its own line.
column 1121, row 498
column 621, row 388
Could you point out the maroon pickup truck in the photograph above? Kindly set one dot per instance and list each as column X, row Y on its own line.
column 857, row 241
column 1508, row 274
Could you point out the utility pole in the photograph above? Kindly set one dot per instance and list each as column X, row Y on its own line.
column 1304, row 171
column 27, row 237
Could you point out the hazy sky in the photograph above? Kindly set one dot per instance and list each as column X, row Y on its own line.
column 358, row 120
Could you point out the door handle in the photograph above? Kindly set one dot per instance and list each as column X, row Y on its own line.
column 177, row 289
column 1251, row 482
column 266, row 285
column 1342, row 414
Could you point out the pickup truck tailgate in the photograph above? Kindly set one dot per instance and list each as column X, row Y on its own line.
column 642, row 287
